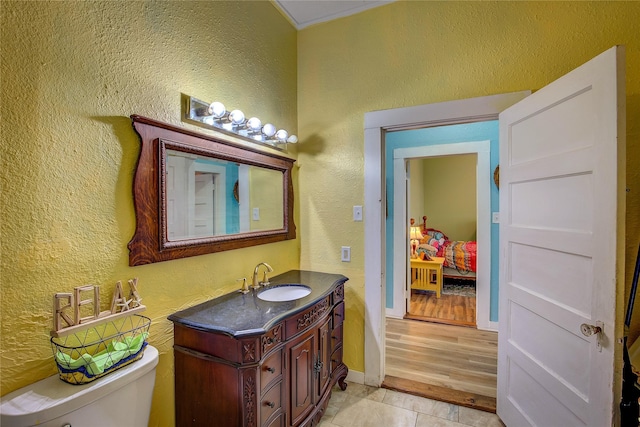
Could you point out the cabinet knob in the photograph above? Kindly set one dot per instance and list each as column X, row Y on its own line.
column 270, row 404
column 272, row 370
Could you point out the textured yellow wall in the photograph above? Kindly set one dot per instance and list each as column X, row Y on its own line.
column 450, row 195
column 411, row 53
column 72, row 73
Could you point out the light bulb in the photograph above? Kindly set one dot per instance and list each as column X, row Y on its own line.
column 281, row 135
column 254, row 124
column 236, row 117
column 217, row 110
column 292, row 139
column 269, row 130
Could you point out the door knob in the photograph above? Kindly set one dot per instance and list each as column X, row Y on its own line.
column 588, row 330
column 597, row 329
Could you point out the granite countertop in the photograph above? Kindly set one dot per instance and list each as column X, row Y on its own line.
column 238, row 314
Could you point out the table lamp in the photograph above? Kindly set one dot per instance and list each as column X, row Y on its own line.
column 415, row 235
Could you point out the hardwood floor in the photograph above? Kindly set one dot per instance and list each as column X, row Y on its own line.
column 443, row 362
column 450, row 309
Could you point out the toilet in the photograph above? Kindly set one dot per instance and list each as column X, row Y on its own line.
column 121, row 398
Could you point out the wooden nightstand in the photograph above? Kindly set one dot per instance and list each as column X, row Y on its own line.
column 427, row 275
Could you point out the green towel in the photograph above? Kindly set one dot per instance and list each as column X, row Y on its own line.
column 100, row 362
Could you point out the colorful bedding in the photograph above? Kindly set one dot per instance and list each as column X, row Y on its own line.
column 457, row 254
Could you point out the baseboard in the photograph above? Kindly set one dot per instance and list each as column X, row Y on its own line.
column 355, row 377
column 490, row 326
column 393, row 313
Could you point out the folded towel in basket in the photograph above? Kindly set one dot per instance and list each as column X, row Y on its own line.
column 100, row 362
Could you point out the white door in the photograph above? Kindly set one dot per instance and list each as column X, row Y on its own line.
column 176, row 182
column 204, row 209
column 562, row 212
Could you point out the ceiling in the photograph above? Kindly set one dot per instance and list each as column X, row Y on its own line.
column 303, row 13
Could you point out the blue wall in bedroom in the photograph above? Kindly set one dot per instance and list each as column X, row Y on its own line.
column 436, row 136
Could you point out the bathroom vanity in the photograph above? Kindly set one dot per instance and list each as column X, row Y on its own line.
column 242, row 361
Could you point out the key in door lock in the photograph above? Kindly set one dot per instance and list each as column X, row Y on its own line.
column 588, row 330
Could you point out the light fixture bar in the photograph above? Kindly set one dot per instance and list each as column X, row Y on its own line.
column 215, row 115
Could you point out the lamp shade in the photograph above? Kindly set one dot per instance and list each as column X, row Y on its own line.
column 415, row 233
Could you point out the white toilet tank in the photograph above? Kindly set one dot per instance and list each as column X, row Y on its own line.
column 122, row 398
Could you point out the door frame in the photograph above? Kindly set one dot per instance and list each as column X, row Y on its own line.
column 376, row 124
column 483, row 224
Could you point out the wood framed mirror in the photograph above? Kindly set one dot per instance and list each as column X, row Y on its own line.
column 196, row 194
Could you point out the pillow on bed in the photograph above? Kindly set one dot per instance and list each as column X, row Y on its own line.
column 436, row 234
column 430, row 241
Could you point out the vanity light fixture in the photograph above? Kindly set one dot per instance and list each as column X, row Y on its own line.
column 215, row 115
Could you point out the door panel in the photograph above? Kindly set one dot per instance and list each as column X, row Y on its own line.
column 324, row 357
column 301, row 381
column 561, row 156
column 533, row 399
column 540, row 140
column 568, row 268
column 563, row 203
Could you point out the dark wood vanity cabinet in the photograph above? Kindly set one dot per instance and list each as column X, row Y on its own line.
column 281, row 378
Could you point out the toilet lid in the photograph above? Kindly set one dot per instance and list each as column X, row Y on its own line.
column 51, row 397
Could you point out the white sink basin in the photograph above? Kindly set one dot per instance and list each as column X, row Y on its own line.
column 284, row 293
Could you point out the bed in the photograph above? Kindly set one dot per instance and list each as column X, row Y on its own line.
column 459, row 256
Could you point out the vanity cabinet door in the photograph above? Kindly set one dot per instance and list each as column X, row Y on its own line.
column 322, row 367
column 302, row 355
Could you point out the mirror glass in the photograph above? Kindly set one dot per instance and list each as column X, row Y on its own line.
column 208, row 197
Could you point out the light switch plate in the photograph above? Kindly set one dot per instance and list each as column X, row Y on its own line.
column 345, row 254
column 357, row 213
column 495, row 217
column 256, row 214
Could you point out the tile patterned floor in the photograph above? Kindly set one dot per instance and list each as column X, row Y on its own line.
column 364, row 406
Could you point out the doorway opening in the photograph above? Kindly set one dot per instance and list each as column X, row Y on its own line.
column 426, row 359
column 379, row 126
column 442, row 206
column 468, row 221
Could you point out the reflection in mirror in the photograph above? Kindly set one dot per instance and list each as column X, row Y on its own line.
column 211, row 197
column 196, row 194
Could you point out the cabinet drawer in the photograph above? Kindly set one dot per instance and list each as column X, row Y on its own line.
column 338, row 315
column 300, row 322
column 272, row 338
column 336, row 338
column 276, row 422
column 271, row 402
column 270, row 369
column 338, row 294
column 336, row 358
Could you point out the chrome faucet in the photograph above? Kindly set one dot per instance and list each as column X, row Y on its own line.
column 265, row 279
